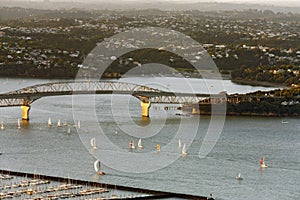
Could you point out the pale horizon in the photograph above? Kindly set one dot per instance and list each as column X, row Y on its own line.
column 183, row 1
column 276, row 6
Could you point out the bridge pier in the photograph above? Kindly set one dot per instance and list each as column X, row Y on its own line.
column 25, row 112
column 195, row 111
column 25, row 108
column 145, row 108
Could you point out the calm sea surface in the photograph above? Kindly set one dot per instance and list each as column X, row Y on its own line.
column 53, row 151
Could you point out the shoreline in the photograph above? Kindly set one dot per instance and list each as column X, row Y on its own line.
column 224, row 77
column 258, row 83
column 264, row 115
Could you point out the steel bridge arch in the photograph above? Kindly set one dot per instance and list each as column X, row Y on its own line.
column 28, row 95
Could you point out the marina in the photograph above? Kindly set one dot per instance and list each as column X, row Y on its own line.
column 17, row 185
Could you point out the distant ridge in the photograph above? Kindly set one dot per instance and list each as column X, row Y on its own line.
column 159, row 4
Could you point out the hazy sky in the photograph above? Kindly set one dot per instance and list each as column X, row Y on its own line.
column 274, row 2
column 236, row 1
column 287, row 3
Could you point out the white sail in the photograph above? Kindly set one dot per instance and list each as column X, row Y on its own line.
column 239, row 177
column 58, row 123
column 78, row 124
column 183, row 151
column 179, row 143
column 131, row 144
column 93, row 143
column 97, row 165
column 2, row 126
column 19, row 123
column 140, row 143
column 69, row 130
column 262, row 163
column 49, row 122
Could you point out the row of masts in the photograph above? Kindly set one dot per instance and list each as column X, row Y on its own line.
column 33, row 189
column 19, row 187
column 59, row 124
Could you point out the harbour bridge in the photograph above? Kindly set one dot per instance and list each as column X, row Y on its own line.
column 26, row 96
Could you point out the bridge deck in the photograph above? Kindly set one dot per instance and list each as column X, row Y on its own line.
column 28, row 95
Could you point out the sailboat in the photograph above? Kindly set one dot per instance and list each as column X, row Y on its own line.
column 19, row 124
column 239, row 177
column 2, row 126
column 262, row 163
column 49, row 122
column 157, row 146
column 183, row 151
column 131, row 144
column 78, row 124
column 179, row 144
column 58, row 123
column 140, row 146
column 97, row 167
column 93, row 143
column 69, row 130
column 65, row 123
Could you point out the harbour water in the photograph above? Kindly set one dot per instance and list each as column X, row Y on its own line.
column 55, row 152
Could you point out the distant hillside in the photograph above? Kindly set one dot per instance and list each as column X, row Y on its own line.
column 163, row 5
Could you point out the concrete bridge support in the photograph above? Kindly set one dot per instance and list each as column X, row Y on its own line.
column 145, row 108
column 195, row 110
column 25, row 112
column 25, row 108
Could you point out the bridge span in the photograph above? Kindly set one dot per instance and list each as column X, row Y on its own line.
column 26, row 96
